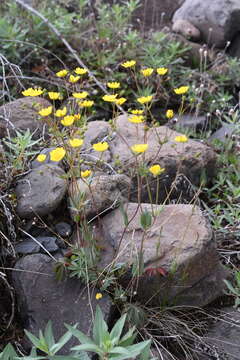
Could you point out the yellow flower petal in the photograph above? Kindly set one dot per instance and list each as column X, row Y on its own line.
column 162, row 71
column 80, row 95
column 57, row 154
column 86, row 173
column 98, row 296
column 86, row 103
column 110, row 98
column 32, row 92
column 68, row 120
column 137, row 112
column 62, row 73
column 181, row 138
column 156, row 170
column 128, row 64
column 101, row 146
column 46, row 111
column 181, row 90
column 147, row 72
column 120, row 101
column 113, row 85
column 76, row 142
column 41, row 157
column 80, row 71
column 54, row 95
column 145, row 99
column 139, row 148
column 73, row 78
column 61, row 112
column 136, row 119
column 169, row 114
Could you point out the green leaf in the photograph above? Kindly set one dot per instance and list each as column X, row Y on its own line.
column 146, row 220
column 8, row 353
column 124, row 214
column 48, row 334
column 128, row 338
column 61, row 342
column 117, row 329
column 100, row 328
column 89, row 347
column 80, row 335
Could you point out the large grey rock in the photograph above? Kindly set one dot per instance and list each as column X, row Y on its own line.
column 180, row 242
column 222, row 339
column 40, row 191
column 22, row 114
column 224, row 133
column 103, row 193
column 218, row 21
column 42, row 298
column 188, row 159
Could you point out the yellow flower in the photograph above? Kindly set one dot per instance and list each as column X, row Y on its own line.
column 139, row 148
column 120, row 101
column 181, row 138
column 41, row 157
column 136, row 119
column 81, row 95
column 110, row 98
column 73, row 78
column 76, row 142
column 145, row 99
column 80, row 71
column 147, row 72
column 32, row 92
column 169, row 114
column 62, row 73
column 77, row 117
column 46, row 111
column 98, row 296
column 54, row 95
column 86, row 173
column 67, row 120
column 61, row 112
column 137, row 112
column 162, row 71
column 181, row 90
column 113, row 85
column 86, row 103
column 128, row 64
column 57, row 154
column 101, row 146
column 156, row 170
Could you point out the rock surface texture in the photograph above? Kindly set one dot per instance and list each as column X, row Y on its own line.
column 105, row 193
column 22, row 114
column 41, row 298
column 180, row 242
column 40, row 191
column 218, row 20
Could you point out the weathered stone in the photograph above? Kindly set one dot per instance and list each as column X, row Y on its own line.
column 40, row 191
column 222, row 339
column 22, row 114
column 63, row 229
column 186, row 29
column 41, row 298
column 179, row 242
column 189, row 159
column 218, row 23
column 191, row 122
column 30, row 246
column 224, row 133
column 103, row 193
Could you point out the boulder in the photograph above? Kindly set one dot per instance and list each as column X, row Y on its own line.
column 185, row 28
column 22, row 114
column 40, row 191
column 190, row 160
column 218, row 22
column 42, row 298
column 101, row 194
column 181, row 264
column 222, row 339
